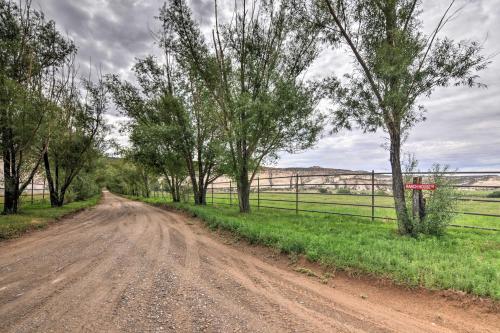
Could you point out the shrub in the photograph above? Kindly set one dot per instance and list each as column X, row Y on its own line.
column 323, row 190
column 344, row 190
column 495, row 194
column 83, row 187
column 440, row 204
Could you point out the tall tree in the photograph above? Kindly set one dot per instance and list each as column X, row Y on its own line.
column 77, row 133
column 396, row 64
column 150, row 151
column 178, row 114
column 252, row 69
column 30, row 49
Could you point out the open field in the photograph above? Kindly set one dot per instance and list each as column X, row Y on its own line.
column 463, row 259
column 333, row 204
column 38, row 215
column 338, row 203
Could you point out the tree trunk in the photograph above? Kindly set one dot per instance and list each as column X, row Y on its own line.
column 201, row 194
column 194, row 184
column 11, row 197
column 404, row 224
column 244, row 192
column 60, row 203
column 54, row 197
column 176, row 195
column 11, row 184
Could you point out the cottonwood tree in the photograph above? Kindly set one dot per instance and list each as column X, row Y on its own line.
column 77, row 131
column 396, row 64
column 192, row 130
column 252, row 68
column 121, row 175
column 149, row 150
column 176, row 115
column 29, row 47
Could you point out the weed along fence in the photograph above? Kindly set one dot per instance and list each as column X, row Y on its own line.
column 366, row 195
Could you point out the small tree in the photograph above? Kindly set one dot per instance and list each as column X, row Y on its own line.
column 396, row 64
column 252, row 70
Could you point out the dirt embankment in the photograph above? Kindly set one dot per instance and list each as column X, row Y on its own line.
column 126, row 266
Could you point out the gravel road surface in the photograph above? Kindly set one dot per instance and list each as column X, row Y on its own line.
column 125, row 266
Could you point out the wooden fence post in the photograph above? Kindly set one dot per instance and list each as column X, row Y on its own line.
column 212, row 194
column 32, row 186
column 230, row 194
column 418, row 201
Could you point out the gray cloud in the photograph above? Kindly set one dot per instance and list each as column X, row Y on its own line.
column 462, row 127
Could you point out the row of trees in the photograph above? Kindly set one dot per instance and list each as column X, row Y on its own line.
column 229, row 102
column 49, row 119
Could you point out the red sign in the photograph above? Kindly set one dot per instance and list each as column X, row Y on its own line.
column 427, row 187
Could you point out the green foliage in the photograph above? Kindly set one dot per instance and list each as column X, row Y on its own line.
column 344, row 190
column 173, row 132
column 31, row 52
column 83, row 187
column 396, row 65
column 124, row 177
column 252, row 71
column 38, row 216
column 323, row 190
column 77, row 138
column 495, row 194
column 440, row 203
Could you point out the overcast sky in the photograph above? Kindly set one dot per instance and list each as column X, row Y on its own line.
column 462, row 127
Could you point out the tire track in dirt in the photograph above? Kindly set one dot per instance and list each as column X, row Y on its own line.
column 127, row 267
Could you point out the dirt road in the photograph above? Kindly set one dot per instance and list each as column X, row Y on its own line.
column 127, row 267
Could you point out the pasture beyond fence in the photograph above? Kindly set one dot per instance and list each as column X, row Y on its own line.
column 366, row 195
column 34, row 191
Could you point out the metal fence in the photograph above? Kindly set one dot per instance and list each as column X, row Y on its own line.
column 365, row 195
column 31, row 193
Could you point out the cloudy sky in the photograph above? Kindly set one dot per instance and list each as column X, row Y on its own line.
column 462, row 127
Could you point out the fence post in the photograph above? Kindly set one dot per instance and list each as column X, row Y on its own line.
column 230, row 194
column 258, row 192
column 43, row 189
column 373, row 195
column 418, row 200
column 212, row 194
column 297, row 193
column 32, row 185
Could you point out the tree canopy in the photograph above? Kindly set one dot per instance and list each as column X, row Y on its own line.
column 396, row 64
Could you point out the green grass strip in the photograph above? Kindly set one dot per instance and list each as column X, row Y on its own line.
column 38, row 215
column 462, row 259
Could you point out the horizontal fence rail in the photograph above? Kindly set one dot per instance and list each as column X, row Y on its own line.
column 365, row 195
column 32, row 192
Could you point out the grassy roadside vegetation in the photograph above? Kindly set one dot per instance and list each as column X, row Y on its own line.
column 38, row 215
column 464, row 260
